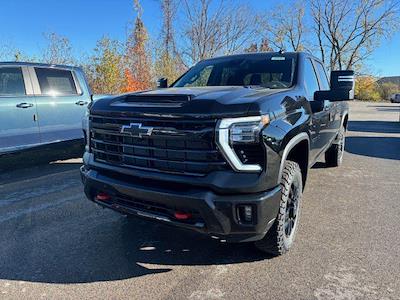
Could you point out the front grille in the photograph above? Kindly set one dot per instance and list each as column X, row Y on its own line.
column 174, row 146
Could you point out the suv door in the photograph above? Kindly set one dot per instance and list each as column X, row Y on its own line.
column 320, row 112
column 18, row 116
column 60, row 104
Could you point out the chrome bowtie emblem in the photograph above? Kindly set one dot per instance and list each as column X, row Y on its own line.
column 137, row 130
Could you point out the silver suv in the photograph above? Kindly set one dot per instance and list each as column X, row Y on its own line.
column 40, row 104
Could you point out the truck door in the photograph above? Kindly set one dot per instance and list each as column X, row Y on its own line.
column 320, row 111
column 18, row 116
column 61, row 104
column 334, row 119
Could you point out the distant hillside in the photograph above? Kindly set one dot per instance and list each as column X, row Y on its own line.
column 391, row 79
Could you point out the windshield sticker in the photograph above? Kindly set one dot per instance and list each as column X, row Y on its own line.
column 278, row 58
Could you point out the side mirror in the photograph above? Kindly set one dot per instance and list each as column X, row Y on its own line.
column 342, row 87
column 162, row 83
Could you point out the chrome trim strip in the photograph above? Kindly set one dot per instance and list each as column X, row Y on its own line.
column 27, row 81
column 35, row 81
column 222, row 134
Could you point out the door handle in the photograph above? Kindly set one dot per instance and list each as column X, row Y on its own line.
column 24, row 105
column 81, row 102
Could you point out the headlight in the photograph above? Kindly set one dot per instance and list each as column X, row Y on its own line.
column 245, row 130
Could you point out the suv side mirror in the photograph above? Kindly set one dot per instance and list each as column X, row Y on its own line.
column 162, row 83
column 342, row 87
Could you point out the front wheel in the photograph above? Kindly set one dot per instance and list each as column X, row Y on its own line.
column 281, row 235
column 334, row 155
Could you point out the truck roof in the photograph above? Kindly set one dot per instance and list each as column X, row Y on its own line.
column 33, row 64
column 243, row 55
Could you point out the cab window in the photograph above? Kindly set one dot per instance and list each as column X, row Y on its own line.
column 311, row 81
column 323, row 79
column 56, row 82
column 11, row 82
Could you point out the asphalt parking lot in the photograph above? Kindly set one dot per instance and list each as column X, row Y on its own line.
column 54, row 244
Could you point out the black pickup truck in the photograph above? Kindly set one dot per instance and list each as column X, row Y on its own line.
column 225, row 150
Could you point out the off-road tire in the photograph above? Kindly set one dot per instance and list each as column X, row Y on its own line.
column 334, row 155
column 276, row 241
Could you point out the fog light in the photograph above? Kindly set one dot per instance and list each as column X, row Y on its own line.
column 245, row 213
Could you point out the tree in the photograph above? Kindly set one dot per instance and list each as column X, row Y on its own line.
column 5, row 52
column 387, row 89
column 366, row 88
column 138, row 71
column 284, row 27
column 349, row 31
column 58, row 51
column 222, row 30
column 105, row 72
column 168, row 62
column 264, row 47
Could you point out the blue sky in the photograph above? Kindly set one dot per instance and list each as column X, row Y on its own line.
column 23, row 23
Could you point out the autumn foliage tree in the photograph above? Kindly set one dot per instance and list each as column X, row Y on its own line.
column 367, row 88
column 138, row 61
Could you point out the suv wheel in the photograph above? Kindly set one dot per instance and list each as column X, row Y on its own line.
column 334, row 155
column 281, row 235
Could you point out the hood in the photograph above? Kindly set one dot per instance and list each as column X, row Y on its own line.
column 195, row 102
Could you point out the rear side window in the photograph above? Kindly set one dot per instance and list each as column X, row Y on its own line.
column 311, row 81
column 324, row 82
column 11, row 82
column 56, row 82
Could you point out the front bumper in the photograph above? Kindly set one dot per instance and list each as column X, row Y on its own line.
column 214, row 214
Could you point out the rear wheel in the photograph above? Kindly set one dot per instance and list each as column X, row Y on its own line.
column 281, row 235
column 334, row 155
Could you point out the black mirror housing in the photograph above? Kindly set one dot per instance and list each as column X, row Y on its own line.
column 162, row 83
column 342, row 87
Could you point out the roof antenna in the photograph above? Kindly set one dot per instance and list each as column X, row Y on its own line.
column 281, row 50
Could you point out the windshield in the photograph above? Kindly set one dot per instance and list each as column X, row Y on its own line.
column 271, row 71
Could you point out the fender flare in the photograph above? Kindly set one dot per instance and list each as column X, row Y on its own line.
column 289, row 146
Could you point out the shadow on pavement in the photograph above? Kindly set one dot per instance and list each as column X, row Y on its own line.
column 114, row 248
column 42, row 169
column 386, row 108
column 41, row 155
column 374, row 126
column 380, row 147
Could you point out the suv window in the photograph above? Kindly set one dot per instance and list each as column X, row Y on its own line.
column 311, row 81
column 11, row 81
column 324, row 82
column 56, row 81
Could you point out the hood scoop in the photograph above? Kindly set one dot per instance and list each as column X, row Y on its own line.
column 149, row 100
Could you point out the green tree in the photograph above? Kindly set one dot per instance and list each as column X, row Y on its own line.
column 105, row 70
